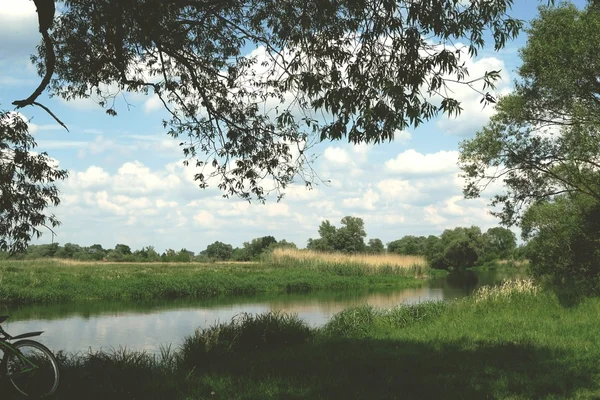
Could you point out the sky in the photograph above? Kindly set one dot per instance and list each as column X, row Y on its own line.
column 127, row 183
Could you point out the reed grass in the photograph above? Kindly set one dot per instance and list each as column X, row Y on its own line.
column 508, row 290
column 369, row 264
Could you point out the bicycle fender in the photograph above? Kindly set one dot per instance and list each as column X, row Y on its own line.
column 25, row 335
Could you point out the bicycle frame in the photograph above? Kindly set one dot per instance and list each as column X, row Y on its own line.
column 8, row 348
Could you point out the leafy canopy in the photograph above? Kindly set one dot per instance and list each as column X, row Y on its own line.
column 544, row 140
column 349, row 238
column 358, row 70
column 26, row 185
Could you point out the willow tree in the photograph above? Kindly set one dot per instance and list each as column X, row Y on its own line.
column 544, row 140
column 249, row 85
column 544, row 145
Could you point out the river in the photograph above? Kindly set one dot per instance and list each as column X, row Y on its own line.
column 147, row 326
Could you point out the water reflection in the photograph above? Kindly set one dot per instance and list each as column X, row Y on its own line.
column 148, row 325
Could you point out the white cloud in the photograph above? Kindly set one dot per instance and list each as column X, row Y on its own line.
column 153, row 104
column 337, row 157
column 205, row 219
column 277, row 210
column 432, row 216
column 134, row 177
column 92, row 177
column 402, row 191
column 102, row 201
column 366, row 201
column 411, row 162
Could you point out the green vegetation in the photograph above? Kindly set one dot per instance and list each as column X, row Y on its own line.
column 459, row 248
column 349, row 238
column 514, row 342
column 51, row 281
column 543, row 146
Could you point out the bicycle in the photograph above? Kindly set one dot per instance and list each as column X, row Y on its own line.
column 30, row 366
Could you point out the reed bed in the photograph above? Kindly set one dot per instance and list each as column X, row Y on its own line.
column 352, row 263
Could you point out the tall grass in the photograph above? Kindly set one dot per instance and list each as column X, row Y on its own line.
column 507, row 290
column 367, row 264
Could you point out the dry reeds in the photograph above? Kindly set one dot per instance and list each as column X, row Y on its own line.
column 372, row 263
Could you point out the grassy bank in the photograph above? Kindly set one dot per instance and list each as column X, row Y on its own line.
column 54, row 281
column 514, row 342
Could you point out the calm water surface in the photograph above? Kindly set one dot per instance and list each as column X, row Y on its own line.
column 150, row 325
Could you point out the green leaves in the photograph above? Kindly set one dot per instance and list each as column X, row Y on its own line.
column 369, row 68
column 26, row 185
column 349, row 238
column 543, row 141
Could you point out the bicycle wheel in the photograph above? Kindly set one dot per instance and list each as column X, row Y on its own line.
column 38, row 381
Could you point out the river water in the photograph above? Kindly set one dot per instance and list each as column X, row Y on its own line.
column 148, row 326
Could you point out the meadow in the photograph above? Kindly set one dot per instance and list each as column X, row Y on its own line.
column 514, row 341
column 283, row 271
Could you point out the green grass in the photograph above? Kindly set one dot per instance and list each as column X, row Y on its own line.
column 47, row 281
column 514, row 343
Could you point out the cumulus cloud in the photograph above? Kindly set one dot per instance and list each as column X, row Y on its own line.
column 134, row 177
column 398, row 190
column 337, row 157
column 205, row 219
column 411, row 162
column 365, row 202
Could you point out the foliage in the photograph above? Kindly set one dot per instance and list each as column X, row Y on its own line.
column 544, row 139
column 499, row 243
column 349, row 238
column 375, row 246
column 27, row 185
column 409, row 245
column 374, row 69
column 218, row 251
column 462, row 247
column 563, row 242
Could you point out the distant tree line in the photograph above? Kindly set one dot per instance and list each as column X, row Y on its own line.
column 461, row 247
column 216, row 251
column 453, row 249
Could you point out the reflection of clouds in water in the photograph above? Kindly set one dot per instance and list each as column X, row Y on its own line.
column 132, row 331
column 148, row 331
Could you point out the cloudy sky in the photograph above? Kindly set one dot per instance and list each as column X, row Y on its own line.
column 128, row 185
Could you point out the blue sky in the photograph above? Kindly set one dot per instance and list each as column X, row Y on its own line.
column 127, row 183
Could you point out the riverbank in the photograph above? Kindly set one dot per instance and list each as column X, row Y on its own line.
column 59, row 281
column 511, row 342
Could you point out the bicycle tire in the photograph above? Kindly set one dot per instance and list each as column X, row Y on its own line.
column 40, row 382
